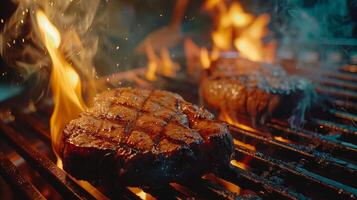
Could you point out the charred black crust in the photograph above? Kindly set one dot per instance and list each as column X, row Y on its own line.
column 119, row 160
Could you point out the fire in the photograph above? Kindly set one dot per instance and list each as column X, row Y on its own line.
column 162, row 64
column 226, row 184
column 205, row 58
column 65, row 82
column 239, row 164
column 140, row 193
column 242, row 144
column 225, row 116
column 281, row 139
column 234, row 30
column 250, row 44
column 237, row 28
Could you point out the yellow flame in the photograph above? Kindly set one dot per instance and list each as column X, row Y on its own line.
column 250, row 43
column 205, row 58
column 222, row 38
column 168, row 66
column 162, row 64
column 239, row 164
column 247, row 146
column 65, row 82
column 224, row 116
column 238, row 17
column 152, row 64
column 140, row 193
column 238, row 30
column 281, row 139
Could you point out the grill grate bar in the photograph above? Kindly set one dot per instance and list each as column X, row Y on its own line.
column 166, row 192
column 339, row 84
column 345, row 129
column 43, row 165
column 13, row 176
column 314, row 158
column 28, row 119
column 121, row 193
column 331, row 91
column 342, row 76
column 334, row 146
column 210, row 190
column 346, row 105
column 338, row 169
column 300, row 175
column 350, row 117
column 34, row 124
column 263, row 187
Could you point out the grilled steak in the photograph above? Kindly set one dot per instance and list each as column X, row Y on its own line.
column 142, row 138
column 257, row 91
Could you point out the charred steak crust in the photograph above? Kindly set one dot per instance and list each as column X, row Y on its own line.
column 257, row 91
column 141, row 137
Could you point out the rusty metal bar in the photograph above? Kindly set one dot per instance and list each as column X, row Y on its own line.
column 13, row 176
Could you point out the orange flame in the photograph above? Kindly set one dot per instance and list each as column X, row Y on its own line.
column 152, row 63
column 245, row 145
column 162, row 64
column 225, row 116
column 250, row 44
column 281, row 139
column 237, row 30
column 205, row 58
column 140, row 193
column 65, row 82
column 239, row 164
column 243, row 31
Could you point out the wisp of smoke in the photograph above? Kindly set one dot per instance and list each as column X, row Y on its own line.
column 20, row 41
column 311, row 22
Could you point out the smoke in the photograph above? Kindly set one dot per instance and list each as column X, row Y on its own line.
column 310, row 23
column 79, row 23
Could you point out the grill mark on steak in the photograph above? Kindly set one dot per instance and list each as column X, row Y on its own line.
column 164, row 139
column 162, row 133
column 168, row 120
column 130, row 126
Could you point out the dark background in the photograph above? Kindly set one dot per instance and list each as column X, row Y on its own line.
column 147, row 18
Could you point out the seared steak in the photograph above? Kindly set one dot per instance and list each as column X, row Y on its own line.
column 141, row 137
column 257, row 91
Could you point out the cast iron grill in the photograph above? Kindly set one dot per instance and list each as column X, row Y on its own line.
column 318, row 162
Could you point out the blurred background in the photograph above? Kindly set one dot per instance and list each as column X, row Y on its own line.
column 121, row 27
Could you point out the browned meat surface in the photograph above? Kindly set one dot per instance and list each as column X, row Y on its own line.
column 256, row 91
column 141, row 137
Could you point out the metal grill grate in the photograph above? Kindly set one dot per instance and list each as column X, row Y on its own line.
column 318, row 162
